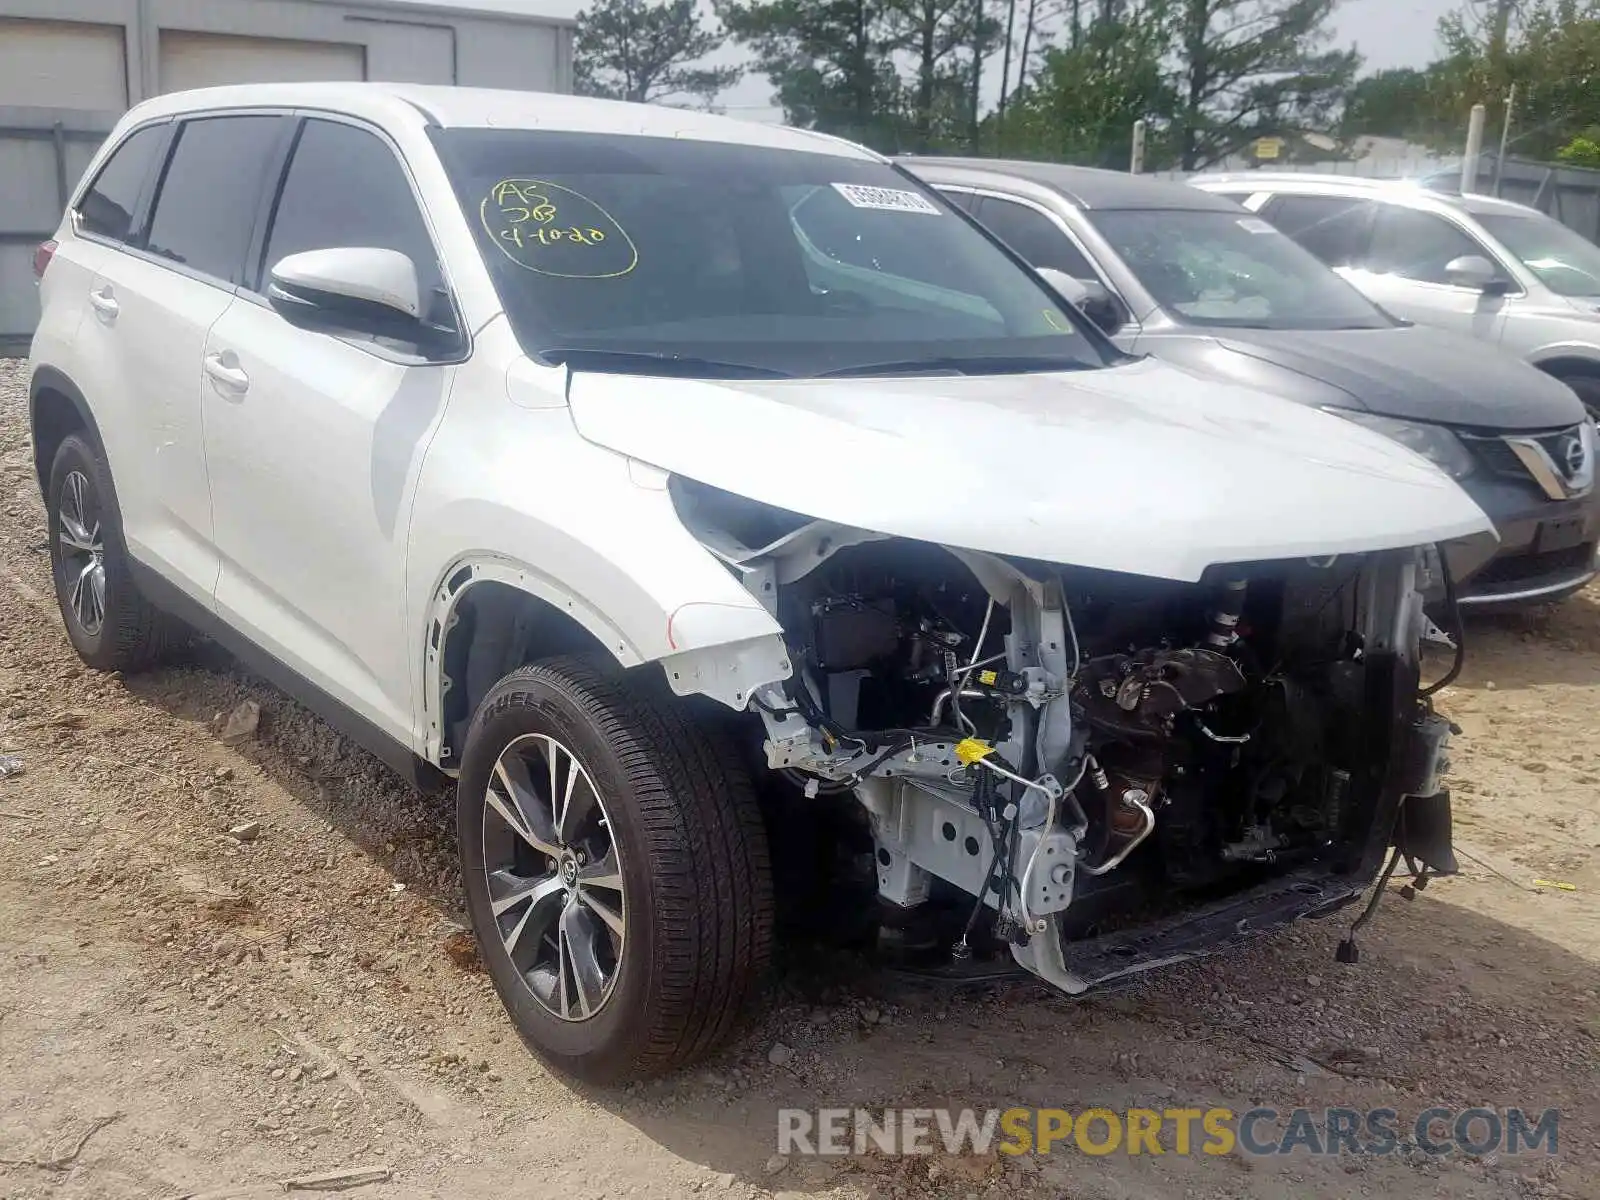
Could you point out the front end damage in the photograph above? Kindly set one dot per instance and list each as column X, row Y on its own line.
column 1093, row 772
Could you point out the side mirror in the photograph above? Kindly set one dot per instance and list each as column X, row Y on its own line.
column 1073, row 291
column 356, row 289
column 1472, row 271
column 1088, row 296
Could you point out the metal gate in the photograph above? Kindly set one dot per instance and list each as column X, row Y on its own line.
column 43, row 152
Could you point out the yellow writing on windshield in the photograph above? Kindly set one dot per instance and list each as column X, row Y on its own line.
column 554, row 230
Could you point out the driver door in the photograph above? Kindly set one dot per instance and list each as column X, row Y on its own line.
column 314, row 441
column 1404, row 272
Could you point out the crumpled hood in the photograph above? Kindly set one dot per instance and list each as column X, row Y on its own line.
column 1414, row 373
column 1140, row 468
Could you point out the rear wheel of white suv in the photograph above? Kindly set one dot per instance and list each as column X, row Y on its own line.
column 616, row 869
column 112, row 625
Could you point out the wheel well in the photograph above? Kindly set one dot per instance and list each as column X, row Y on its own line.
column 54, row 418
column 493, row 629
column 1570, row 366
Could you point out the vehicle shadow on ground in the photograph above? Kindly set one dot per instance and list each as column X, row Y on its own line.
column 1438, row 983
column 1547, row 644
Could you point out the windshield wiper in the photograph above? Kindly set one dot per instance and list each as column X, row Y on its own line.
column 638, row 362
column 951, row 365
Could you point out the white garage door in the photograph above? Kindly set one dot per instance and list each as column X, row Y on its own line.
column 57, row 64
column 193, row 60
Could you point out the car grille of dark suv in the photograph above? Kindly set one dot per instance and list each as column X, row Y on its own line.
column 1498, row 456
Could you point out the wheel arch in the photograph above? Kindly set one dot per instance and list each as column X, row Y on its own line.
column 1565, row 361
column 490, row 615
column 56, row 410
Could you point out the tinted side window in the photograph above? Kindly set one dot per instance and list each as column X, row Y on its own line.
column 107, row 207
column 1334, row 228
column 345, row 187
column 1418, row 245
column 1034, row 236
column 211, row 192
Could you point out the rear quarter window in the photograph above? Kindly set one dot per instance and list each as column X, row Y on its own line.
column 107, row 208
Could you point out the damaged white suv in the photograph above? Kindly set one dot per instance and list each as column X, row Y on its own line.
column 740, row 524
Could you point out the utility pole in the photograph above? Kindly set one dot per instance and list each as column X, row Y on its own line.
column 1505, row 137
column 1469, row 161
column 1136, row 164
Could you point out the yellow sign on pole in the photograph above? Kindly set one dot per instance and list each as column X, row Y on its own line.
column 1268, row 147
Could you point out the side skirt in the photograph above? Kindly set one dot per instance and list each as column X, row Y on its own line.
column 416, row 771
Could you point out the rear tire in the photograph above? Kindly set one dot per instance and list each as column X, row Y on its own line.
column 110, row 623
column 631, row 877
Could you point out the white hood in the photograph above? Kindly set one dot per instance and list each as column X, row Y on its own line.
column 1140, row 468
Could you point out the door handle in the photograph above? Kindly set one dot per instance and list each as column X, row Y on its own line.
column 226, row 373
column 105, row 303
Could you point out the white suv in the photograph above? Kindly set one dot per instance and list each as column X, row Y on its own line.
column 1502, row 273
column 701, row 495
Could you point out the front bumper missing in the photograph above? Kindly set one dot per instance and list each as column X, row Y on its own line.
column 1422, row 833
column 1212, row 928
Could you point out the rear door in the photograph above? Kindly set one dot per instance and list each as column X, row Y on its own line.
column 151, row 304
column 102, row 221
column 314, row 440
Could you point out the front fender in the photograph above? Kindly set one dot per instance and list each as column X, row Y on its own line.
column 533, row 505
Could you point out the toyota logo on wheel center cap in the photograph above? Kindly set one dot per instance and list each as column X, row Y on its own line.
column 569, row 871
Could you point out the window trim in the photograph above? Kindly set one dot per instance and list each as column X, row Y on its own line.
column 992, row 193
column 267, row 217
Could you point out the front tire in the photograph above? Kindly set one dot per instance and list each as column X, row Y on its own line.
column 616, row 870
column 1587, row 387
column 110, row 623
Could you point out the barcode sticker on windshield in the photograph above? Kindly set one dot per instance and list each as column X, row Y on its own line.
column 1254, row 225
column 889, row 199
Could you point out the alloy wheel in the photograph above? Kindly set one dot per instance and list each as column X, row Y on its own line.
column 83, row 553
column 554, row 874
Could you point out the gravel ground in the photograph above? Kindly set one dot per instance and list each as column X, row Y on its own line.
column 185, row 1013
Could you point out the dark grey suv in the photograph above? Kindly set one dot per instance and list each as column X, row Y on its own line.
column 1194, row 279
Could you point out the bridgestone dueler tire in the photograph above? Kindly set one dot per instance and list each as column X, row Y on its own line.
column 698, row 885
column 134, row 633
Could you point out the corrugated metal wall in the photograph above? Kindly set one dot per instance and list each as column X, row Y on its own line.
column 69, row 68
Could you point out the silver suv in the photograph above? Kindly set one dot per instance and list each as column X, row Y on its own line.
column 1498, row 271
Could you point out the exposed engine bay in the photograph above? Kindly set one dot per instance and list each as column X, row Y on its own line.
column 1097, row 772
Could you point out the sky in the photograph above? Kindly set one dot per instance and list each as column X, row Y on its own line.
column 1389, row 33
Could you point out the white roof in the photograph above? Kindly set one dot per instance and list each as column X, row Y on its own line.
column 480, row 108
column 1413, row 191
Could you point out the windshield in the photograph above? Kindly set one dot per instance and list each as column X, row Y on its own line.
column 1565, row 261
column 1232, row 269
column 613, row 251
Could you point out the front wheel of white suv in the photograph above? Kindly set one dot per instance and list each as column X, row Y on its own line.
column 616, row 869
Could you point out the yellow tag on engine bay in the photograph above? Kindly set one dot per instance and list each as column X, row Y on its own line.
column 970, row 750
column 988, row 678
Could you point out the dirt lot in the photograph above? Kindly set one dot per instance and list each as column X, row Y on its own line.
column 186, row 1014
